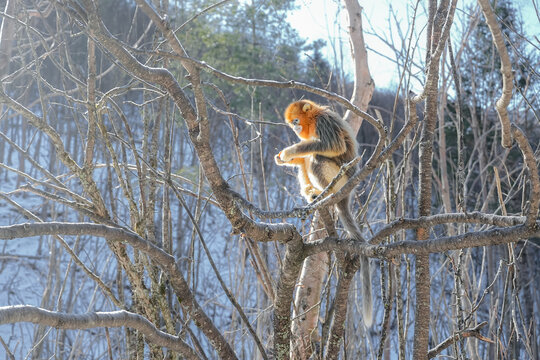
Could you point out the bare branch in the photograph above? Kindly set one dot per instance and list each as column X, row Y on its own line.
column 160, row 257
column 432, row 67
column 506, row 71
column 439, row 219
column 121, row 318
column 363, row 83
column 496, row 236
column 472, row 332
column 293, row 85
column 199, row 13
column 63, row 154
column 347, row 271
column 530, row 161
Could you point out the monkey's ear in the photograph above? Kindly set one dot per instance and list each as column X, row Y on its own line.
column 306, row 107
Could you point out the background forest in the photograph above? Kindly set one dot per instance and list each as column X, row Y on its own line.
column 142, row 214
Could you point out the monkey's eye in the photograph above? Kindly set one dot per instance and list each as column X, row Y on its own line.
column 295, row 121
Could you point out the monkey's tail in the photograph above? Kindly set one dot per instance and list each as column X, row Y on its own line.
column 349, row 224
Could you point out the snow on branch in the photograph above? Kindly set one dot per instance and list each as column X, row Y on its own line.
column 121, row 318
column 495, row 236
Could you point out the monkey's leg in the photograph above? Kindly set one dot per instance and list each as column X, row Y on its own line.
column 324, row 171
column 309, row 192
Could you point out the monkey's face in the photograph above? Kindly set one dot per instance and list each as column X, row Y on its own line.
column 301, row 127
column 295, row 125
column 299, row 117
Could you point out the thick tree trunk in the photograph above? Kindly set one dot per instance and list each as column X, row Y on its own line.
column 307, row 298
column 439, row 21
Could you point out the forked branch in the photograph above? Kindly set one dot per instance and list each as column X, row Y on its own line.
column 471, row 332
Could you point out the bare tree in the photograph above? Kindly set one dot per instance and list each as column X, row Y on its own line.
column 113, row 126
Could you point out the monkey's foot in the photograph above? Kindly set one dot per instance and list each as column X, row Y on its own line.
column 310, row 193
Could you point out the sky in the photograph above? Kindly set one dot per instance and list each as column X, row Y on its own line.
column 319, row 22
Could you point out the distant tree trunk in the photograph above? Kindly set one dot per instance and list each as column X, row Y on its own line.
column 363, row 83
column 7, row 35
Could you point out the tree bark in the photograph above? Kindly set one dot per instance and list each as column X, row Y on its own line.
column 308, row 296
column 364, row 86
column 439, row 22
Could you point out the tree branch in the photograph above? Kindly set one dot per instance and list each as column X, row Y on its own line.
column 472, row 332
column 160, row 258
column 240, row 222
column 439, row 219
column 496, row 236
column 292, row 85
column 530, row 161
column 506, row 71
column 348, row 268
column 363, row 82
column 121, row 318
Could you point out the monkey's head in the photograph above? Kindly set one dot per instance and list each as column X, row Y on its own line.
column 301, row 116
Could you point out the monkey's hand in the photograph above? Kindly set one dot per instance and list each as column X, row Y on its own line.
column 310, row 193
column 287, row 154
column 278, row 159
column 295, row 161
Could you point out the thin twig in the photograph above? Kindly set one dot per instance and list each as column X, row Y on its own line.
column 471, row 332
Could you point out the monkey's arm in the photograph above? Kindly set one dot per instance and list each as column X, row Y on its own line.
column 308, row 191
column 314, row 147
